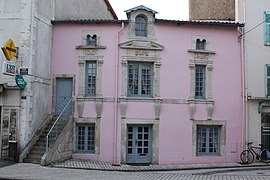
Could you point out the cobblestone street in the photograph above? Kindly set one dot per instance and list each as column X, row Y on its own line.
column 34, row 171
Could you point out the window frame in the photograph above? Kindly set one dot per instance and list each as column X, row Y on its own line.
column 202, row 82
column 87, row 141
column 87, row 94
column 140, row 74
column 266, row 28
column 141, row 23
column 207, row 140
column 200, row 44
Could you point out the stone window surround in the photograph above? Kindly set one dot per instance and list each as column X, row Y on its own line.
column 155, row 87
column 201, row 38
column 201, row 57
column 91, row 33
column 90, row 53
column 222, row 124
column 85, row 121
column 150, row 25
column 155, row 137
column 81, row 95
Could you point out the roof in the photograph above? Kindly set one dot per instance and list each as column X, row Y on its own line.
column 202, row 22
column 110, row 9
column 141, row 7
column 162, row 21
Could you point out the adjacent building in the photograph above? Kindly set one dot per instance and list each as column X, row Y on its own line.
column 148, row 90
column 28, row 24
column 257, row 69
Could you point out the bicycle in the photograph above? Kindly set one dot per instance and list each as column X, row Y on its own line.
column 247, row 156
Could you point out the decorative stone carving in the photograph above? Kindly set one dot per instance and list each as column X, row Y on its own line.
column 123, row 107
column 203, row 56
column 141, row 53
column 89, row 52
column 210, row 110
column 157, row 108
column 192, row 109
column 99, row 105
column 210, row 67
column 80, row 107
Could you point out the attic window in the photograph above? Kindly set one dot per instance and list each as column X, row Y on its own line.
column 141, row 26
column 200, row 44
column 91, row 40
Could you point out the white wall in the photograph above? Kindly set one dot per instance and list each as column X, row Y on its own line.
column 81, row 9
column 257, row 54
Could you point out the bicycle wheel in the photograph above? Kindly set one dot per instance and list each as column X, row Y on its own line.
column 264, row 157
column 247, row 157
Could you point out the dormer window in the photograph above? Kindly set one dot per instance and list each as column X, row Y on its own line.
column 200, row 44
column 141, row 26
column 91, row 40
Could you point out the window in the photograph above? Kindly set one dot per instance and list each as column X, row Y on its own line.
column 86, row 138
column 140, row 79
column 208, row 140
column 91, row 40
column 200, row 44
column 268, row 80
column 91, row 74
column 200, row 82
column 267, row 28
column 141, row 26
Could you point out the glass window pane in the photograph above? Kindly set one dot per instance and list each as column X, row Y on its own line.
column 91, row 78
column 86, row 138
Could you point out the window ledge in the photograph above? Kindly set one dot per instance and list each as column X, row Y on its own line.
column 86, row 98
column 142, row 99
column 90, row 47
column 201, row 51
column 201, row 101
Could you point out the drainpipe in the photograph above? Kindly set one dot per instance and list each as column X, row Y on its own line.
column 244, row 93
column 244, row 76
column 116, row 160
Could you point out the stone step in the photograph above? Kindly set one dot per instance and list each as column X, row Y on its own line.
column 37, row 151
column 34, row 161
column 34, row 156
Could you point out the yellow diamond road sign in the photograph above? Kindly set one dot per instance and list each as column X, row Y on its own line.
column 9, row 50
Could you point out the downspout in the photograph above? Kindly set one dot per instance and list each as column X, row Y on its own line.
column 244, row 61
column 244, row 93
column 116, row 160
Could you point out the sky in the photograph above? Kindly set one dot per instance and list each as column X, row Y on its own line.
column 167, row 9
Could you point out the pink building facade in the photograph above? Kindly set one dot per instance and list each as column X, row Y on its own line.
column 150, row 91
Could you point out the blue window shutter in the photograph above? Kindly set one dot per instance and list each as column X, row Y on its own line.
column 266, row 28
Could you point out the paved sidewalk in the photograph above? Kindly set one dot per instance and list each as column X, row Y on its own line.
column 94, row 165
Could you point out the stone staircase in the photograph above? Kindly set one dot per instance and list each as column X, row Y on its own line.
column 38, row 150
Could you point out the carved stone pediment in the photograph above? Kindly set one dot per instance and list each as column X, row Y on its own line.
column 137, row 44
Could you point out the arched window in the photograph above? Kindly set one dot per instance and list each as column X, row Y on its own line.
column 200, row 44
column 141, row 26
column 91, row 40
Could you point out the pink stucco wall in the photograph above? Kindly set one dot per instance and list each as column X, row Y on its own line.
column 175, row 127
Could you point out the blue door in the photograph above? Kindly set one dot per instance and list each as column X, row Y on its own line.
column 63, row 95
column 139, row 144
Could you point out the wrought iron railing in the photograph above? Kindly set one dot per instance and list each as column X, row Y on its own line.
column 56, row 128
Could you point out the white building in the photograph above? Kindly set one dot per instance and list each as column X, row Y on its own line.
column 28, row 24
column 256, row 53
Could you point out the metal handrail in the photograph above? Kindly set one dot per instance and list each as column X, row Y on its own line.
column 48, row 141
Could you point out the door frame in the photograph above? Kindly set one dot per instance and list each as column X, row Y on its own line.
column 155, row 137
column 62, row 76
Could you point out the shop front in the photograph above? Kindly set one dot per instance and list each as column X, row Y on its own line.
column 9, row 110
